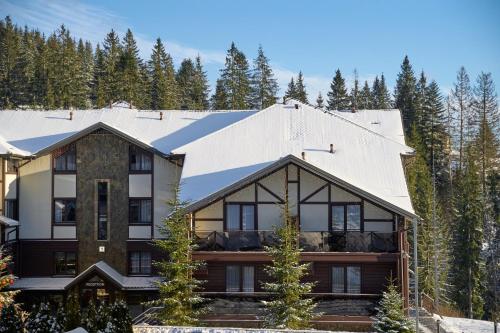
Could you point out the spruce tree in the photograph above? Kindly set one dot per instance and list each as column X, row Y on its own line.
column 164, row 90
column 129, row 68
column 119, row 318
column 41, row 320
column 390, row 315
column 264, row 85
column 180, row 304
column 355, row 93
column 9, row 49
column 320, row 103
column 289, row 307
column 84, row 71
column 11, row 319
column 72, row 309
column 381, row 96
column 200, row 87
column 291, row 91
column 185, row 81
column 98, row 82
column 235, row 78
column 300, row 89
column 337, row 96
column 219, row 98
column 89, row 321
column 404, row 94
column 365, row 98
column 112, row 75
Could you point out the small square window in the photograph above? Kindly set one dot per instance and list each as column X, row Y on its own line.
column 65, row 263
column 139, row 160
column 65, row 160
column 139, row 263
column 64, row 210
column 140, row 211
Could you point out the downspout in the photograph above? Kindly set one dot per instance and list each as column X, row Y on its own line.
column 415, row 271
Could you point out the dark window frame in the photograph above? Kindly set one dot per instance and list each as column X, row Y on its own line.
column 240, row 204
column 139, row 152
column 130, row 222
column 141, row 268
column 240, row 270
column 345, row 205
column 98, row 209
column 54, row 211
column 66, row 272
column 11, row 166
column 15, row 208
column 346, row 283
column 69, row 150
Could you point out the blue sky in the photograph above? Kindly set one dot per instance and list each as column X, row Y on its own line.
column 316, row 37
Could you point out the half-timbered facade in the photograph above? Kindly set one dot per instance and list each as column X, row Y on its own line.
column 84, row 192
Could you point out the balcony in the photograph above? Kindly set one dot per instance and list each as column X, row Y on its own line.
column 310, row 241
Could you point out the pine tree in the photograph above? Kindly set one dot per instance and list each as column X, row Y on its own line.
column 235, row 78
column 84, row 72
column 11, row 319
column 337, row 96
column 264, row 85
column 119, row 318
column 289, row 308
column 98, row 82
column 200, row 87
column 164, row 91
column 219, row 98
column 467, row 264
column 181, row 305
column 320, row 103
column 390, row 316
column 90, row 319
column 129, row 68
column 102, row 317
column 73, row 315
column 9, row 49
column 300, row 87
column 112, row 76
column 381, row 96
column 291, row 91
column 355, row 93
column 404, row 94
column 41, row 320
column 6, row 280
column 185, row 78
column 365, row 98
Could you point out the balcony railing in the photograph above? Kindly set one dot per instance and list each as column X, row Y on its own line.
column 309, row 241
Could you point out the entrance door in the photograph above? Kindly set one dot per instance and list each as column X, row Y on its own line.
column 96, row 290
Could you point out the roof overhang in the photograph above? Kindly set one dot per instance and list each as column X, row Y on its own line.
column 308, row 167
column 8, row 222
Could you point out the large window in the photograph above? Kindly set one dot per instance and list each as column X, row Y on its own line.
column 65, row 263
column 11, row 209
column 64, row 210
column 140, row 263
column 240, row 217
column 140, row 160
column 65, row 160
column 346, row 217
column 346, row 279
column 139, row 211
column 240, row 278
column 102, row 210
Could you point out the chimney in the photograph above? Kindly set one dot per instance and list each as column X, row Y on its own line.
column 304, row 155
column 161, row 115
column 296, row 106
column 130, row 104
column 110, row 104
column 353, row 110
column 331, row 148
column 71, row 115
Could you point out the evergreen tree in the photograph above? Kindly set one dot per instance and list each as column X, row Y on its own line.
column 72, row 309
column 291, row 91
column 320, row 103
column 337, row 96
column 98, row 82
column 119, row 318
column 200, row 87
column 90, row 320
column 235, row 78
column 9, row 49
column 179, row 302
column 219, row 98
column 84, row 71
column 41, row 320
column 404, row 94
column 112, row 75
column 102, row 317
column 380, row 93
column 11, row 319
column 264, row 85
column 164, row 91
column 6, row 280
column 355, row 93
column 467, row 263
column 185, row 80
column 129, row 68
column 365, row 98
column 390, row 316
column 289, row 308
column 300, row 89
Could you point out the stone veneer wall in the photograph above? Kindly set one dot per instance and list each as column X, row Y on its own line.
column 102, row 156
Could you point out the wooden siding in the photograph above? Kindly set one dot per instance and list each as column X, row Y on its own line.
column 37, row 256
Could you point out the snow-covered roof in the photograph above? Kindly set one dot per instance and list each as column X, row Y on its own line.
column 4, row 220
column 363, row 158
column 41, row 283
column 29, row 132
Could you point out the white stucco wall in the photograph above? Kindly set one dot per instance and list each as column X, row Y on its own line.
column 10, row 186
column 247, row 194
column 166, row 177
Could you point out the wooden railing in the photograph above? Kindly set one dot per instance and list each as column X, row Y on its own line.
column 442, row 309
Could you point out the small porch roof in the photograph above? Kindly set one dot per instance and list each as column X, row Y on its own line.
column 8, row 222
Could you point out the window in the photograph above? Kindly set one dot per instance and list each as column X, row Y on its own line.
column 346, row 279
column 240, row 217
column 240, row 278
column 102, row 210
column 140, row 160
column 64, row 210
column 11, row 209
column 346, row 217
column 12, row 166
column 65, row 263
column 139, row 211
column 140, row 263
column 65, row 160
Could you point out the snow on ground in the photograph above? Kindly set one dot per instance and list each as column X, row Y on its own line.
column 464, row 325
column 178, row 329
column 78, row 330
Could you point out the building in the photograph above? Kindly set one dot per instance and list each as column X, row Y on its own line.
column 84, row 191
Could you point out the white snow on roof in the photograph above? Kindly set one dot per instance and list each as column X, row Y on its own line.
column 363, row 158
column 386, row 122
column 27, row 132
column 4, row 220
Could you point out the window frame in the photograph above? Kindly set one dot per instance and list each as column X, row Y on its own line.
column 11, row 166
column 240, row 204
column 240, row 269
column 65, row 273
column 140, row 200
column 108, row 208
column 345, row 205
column 64, row 152
column 346, row 278
column 15, row 208
column 141, row 268
column 54, row 222
column 137, row 150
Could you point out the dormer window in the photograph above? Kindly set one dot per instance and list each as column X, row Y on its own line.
column 139, row 160
column 65, row 159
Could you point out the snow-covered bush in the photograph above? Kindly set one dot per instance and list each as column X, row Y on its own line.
column 119, row 317
column 390, row 316
column 41, row 320
column 11, row 319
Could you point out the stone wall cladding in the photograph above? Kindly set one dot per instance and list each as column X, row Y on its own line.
column 102, row 156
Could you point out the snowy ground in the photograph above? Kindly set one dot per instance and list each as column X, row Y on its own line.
column 464, row 325
column 170, row 329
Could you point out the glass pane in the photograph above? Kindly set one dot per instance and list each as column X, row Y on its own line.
column 70, row 211
column 354, row 280
column 71, row 160
column 146, row 162
column 248, row 279
column 233, row 217
column 338, row 279
column 353, row 217
column 134, row 165
column 102, row 211
column 133, row 211
column 248, row 217
column 60, row 163
column 145, row 211
column 58, row 211
column 338, row 218
column 232, row 278
column 71, row 263
column 135, row 262
column 146, row 263
column 59, row 262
